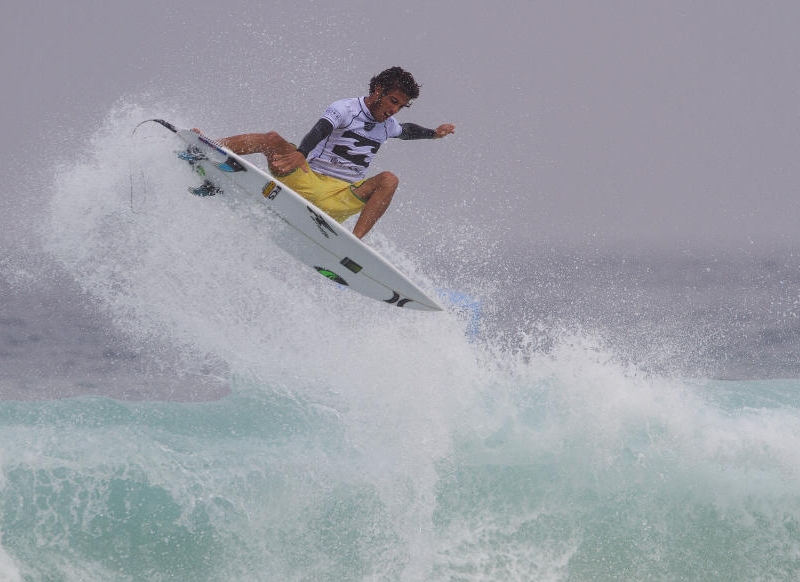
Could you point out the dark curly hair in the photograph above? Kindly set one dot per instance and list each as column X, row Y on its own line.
column 395, row 78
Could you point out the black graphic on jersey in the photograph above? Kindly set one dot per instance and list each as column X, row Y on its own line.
column 349, row 152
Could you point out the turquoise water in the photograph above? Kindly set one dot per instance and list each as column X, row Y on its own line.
column 295, row 431
column 581, row 478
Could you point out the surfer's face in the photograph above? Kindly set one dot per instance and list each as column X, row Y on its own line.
column 383, row 105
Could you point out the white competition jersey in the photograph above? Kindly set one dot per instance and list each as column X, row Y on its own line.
column 348, row 151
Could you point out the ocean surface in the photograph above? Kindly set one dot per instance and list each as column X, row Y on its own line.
column 181, row 401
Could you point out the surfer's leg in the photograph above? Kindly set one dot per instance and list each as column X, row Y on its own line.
column 269, row 144
column 377, row 193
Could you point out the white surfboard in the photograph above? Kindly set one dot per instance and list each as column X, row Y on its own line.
column 323, row 244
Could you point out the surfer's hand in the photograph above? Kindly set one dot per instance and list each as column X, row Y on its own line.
column 285, row 163
column 443, row 130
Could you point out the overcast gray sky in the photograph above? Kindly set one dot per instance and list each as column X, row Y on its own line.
column 626, row 122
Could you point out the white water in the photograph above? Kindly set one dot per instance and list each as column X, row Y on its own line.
column 360, row 441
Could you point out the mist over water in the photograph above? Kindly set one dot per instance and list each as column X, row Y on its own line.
column 237, row 416
column 612, row 395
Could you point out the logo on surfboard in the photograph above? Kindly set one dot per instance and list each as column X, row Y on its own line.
column 331, row 275
column 271, row 190
column 397, row 300
column 351, row 264
column 325, row 228
column 231, row 165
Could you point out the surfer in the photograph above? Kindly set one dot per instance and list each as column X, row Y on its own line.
column 329, row 167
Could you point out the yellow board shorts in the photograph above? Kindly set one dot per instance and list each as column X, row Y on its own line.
column 334, row 196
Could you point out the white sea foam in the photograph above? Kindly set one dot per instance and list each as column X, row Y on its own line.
column 361, row 441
